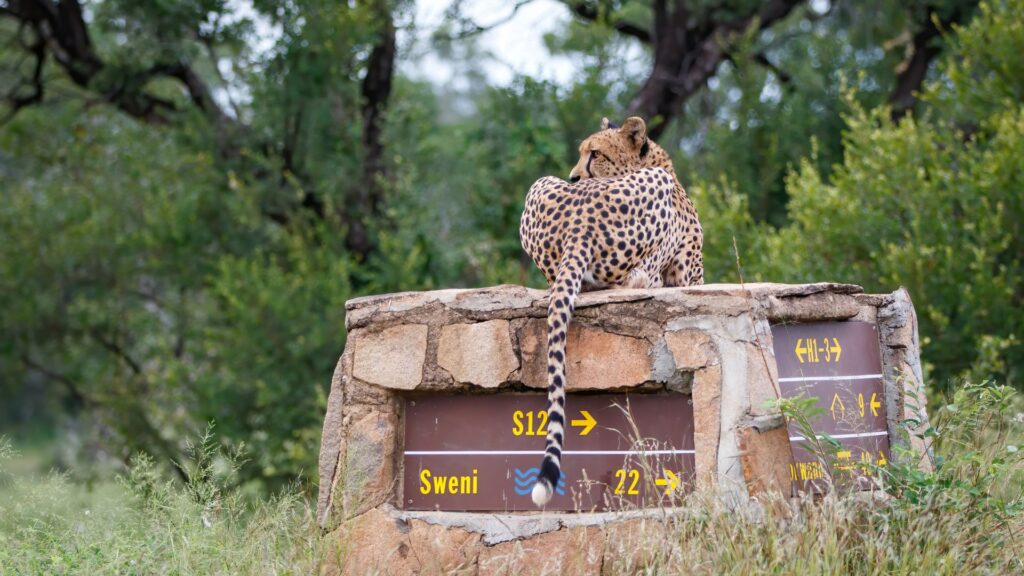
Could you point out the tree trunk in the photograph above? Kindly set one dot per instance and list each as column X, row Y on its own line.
column 376, row 91
column 688, row 45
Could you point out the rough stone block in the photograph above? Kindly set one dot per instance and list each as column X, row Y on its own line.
column 378, row 543
column 707, row 420
column 595, row 359
column 766, row 456
column 332, row 439
column 633, row 544
column 904, row 383
column 391, row 358
column 691, row 349
column 762, row 378
column 368, row 470
column 567, row 551
column 479, row 353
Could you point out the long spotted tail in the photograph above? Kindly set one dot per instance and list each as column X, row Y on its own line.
column 575, row 260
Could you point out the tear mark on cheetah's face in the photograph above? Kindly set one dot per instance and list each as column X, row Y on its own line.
column 616, row 151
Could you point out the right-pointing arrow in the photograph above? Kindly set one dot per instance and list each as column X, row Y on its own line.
column 587, row 423
column 670, row 479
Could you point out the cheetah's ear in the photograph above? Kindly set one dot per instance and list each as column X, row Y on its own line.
column 636, row 130
column 606, row 124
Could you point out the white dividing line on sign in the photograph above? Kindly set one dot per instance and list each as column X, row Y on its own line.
column 841, row 436
column 541, row 452
column 830, row 378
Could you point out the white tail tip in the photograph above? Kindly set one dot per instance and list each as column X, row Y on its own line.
column 541, row 494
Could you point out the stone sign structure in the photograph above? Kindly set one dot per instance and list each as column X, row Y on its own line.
column 436, row 414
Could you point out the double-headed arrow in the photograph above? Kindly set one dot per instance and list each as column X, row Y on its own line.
column 809, row 351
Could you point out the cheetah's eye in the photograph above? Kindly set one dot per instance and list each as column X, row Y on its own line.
column 594, row 154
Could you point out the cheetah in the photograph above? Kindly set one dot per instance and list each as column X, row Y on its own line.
column 622, row 220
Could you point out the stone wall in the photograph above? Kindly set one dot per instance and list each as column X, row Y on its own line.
column 712, row 341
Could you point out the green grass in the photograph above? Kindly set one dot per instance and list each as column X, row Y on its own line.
column 142, row 524
column 966, row 517
column 835, row 535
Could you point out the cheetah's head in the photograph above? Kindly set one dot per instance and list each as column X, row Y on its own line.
column 615, row 151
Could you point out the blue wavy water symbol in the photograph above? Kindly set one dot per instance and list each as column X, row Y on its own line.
column 525, row 479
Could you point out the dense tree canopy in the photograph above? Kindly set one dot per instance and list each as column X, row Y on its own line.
column 192, row 189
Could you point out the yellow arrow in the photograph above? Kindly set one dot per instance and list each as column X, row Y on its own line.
column 881, row 459
column 842, row 408
column 587, row 423
column 875, row 404
column 671, row 480
column 801, row 351
column 838, row 350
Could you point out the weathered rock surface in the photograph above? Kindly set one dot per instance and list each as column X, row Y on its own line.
column 392, row 357
column 479, row 353
column 595, row 359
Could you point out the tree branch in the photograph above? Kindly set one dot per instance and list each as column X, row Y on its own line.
column 211, row 53
column 473, row 29
column 762, row 60
column 687, row 52
column 36, row 49
column 74, row 390
column 924, row 48
column 62, row 30
column 588, row 11
column 115, row 349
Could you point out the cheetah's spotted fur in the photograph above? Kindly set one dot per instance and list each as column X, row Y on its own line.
column 623, row 221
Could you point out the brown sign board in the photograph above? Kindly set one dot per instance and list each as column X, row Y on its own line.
column 839, row 364
column 482, row 453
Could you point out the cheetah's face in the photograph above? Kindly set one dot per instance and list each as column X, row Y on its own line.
column 613, row 151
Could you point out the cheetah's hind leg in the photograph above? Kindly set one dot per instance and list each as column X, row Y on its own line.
column 685, row 269
column 640, row 278
column 591, row 284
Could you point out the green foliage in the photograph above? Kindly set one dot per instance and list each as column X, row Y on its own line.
column 966, row 511
column 805, row 413
column 756, row 121
column 919, row 204
column 147, row 525
column 155, row 278
column 275, row 333
column 165, row 301
column 979, row 467
column 987, row 75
